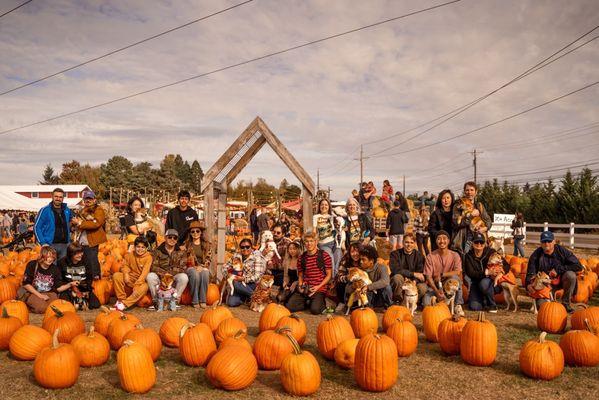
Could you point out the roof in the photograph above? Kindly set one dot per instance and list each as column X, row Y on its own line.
column 9, row 200
column 44, row 188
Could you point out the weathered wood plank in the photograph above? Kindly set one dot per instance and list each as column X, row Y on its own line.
column 307, row 209
column 221, row 230
column 245, row 159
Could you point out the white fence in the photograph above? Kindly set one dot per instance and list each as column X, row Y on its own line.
column 571, row 239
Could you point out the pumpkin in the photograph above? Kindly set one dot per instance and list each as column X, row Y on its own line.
column 196, row 344
column 393, row 313
column 229, row 327
column 271, row 315
column 237, row 340
column 432, row 316
column 577, row 319
column 552, row 317
column 136, row 369
column 581, row 348
column 541, row 359
column 300, row 372
column 103, row 320
column 405, row 336
column 213, row 294
column 28, row 341
column 57, row 366
column 117, row 330
column 296, row 325
column 69, row 323
column 17, row 308
column 330, row 333
column 214, row 316
column 146, row 337
column 478, row 344
column 170, row 329
column 271, row 347
column 8, row 291
column 345, row 353
column 376, row 365
column 102, row 289
column 364, row 321
column 93, row 349
column 186, row 298
column 61, row 305
column 8, row 326
column 145, row 302
column 450, row 334
column 232, row 368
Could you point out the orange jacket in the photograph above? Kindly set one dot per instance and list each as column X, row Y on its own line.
column 94, row 228
column 137, row 267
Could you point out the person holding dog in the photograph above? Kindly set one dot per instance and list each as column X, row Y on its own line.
column 439, row 266
column 181, row 216
column 407, row 263
column 130, row 282
column 559, row 263
column 351, row 259
column 463, row 230
column 379, row 292
column 77, row 271
column 134, row 230
column 92, row 230
column 254, row 266
column 197, row 264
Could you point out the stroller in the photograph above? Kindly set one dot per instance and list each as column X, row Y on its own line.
column 19, row 242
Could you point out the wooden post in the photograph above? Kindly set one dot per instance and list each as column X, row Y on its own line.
column 572, row 235
column 209, row 212
column 110, row 202
column 221, row 230
column 307, row 209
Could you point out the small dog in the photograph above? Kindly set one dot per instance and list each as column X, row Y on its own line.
column 236, row 269
column 541, row 284
column 360, row 281
column 267, row 241
column 166, row 292
column 450, row 288
column 141, row 220
column 80, row 299
column 261, row 296
column 495, row 269
column 466, row 205
column 410, row 295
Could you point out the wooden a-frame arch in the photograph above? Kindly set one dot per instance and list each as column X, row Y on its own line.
column 230, row 164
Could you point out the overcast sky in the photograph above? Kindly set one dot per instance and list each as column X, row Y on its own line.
column 322, row 101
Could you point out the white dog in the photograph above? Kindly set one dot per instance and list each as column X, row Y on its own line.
column 267, row 241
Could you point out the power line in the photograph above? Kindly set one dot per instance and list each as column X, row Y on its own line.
column 16, row 8
column 231, row 66
column 125, row 47
column 551, row 169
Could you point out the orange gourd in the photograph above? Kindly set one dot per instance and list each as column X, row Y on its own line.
column 271, row 347
column 478, row 344
column 196, row 344
column 232, row 368
column 93, row 349
column 330, row 333
column 271, row 315
column 17, row 308
column 364, row 321
column 26, row 343
column 432, row 316
column 405, row 336
column 69, row 323
column 450, row 334
column 300, row 372
column 345, row 353
column 146, row 337
column 214, row 316
column 296, row 325
column 541, row 359
column 580, row 347
column 103, row 320
column 552, row 317
column 8, row 326
column 57, row 366
column 170, row 329
column 393, row 313
column 136, row 369
column 229, row 327
column 117, row 330
column 376, row 365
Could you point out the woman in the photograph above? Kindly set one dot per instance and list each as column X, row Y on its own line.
column 42, row 282
column 198, row 261
column 441, row 219
column 76, row 269
column 351, row 259
column 290, row 260
column 324, row 224
column 387, row 194
column 133, row 230
column 518, row 233
column 463, row 229
column 421, row 229
column 357, row 225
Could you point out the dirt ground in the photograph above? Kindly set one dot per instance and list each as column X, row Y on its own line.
column 427, row 374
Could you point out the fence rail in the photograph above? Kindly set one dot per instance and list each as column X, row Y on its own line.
column 574, row 240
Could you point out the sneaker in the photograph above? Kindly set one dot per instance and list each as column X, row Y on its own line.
column 569, row 308
column 152, row 308
column 202, row 305
column 459, row 311
column 177, row 307
column 119, row 306
column 340, row 308
column 493, row 309
column 195, row 305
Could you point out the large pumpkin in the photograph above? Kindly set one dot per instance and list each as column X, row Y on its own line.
column 581, row 348
column 232, row 368
column 170, row 329
column 330, row 333
column 26, row 343
column 296, row 325
column 17, row 308
column 8, row 326
column 215, row 315
column 196, row 344
column 136, row 369
column 93, row 349
column 61, row 305
column 364, row 321
column 117, row 330
column 271, row 315
column 271, row 347
column 393, row 313
column 577, row 319
column 300, row 372
column 103, row 320
column 552, row 317
column 450, row 334
column 376, row 365
column 213, row 294
column 541, row 359
column 229, row 327
column 345, row 353
column 478, row 344
column 238, row 340
column 432, row 316
column 57, row 366
column 405, row 337
column 8, row 291
column 146, row 337
column 69, row 323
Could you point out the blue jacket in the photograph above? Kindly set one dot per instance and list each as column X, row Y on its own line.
column 44, row 223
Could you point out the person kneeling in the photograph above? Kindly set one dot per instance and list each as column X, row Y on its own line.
column 379, row 291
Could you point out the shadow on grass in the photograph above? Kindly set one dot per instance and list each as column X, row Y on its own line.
column 112, row 378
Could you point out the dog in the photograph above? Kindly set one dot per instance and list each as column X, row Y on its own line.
column 235, row 269
column 359, row 280
column 141, row 220
column 450, row 288
column 267, row 242
column 410, row 295
column 166, row 292
column 495, row 269
column 541, row 284
column 261, row 296
column 80, row 299
column 467, row 206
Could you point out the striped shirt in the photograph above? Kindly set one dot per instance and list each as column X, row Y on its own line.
column 312, row 274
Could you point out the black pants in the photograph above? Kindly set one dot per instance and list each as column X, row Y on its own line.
column 278, row 277
column 299, row 302
column 91, row 256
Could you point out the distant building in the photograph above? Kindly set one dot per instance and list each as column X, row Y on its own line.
column 37, row 196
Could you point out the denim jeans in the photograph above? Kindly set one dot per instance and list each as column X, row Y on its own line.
column 518, row 247
column 331, row 249
column 241, row 292
column 482, row 293
column 198, row 284
column 153, row 281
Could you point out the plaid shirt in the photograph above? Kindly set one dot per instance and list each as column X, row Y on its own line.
column 254, row 267
column 419, row 228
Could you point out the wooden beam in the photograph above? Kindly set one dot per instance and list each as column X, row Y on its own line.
column 307, row 209
column 209, row 216
column 221, row 229
column 245, row 159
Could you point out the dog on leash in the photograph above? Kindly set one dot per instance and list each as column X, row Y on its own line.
column 261, row 296
column 235, row 269
column 466, row 206
column 410, row 295
column 359, row 280
column 450, row 288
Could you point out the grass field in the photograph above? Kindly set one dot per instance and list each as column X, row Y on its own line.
column 426, row 374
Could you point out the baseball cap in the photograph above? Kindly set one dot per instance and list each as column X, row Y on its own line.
column 171, row 232
column 478, row 238
column 88, row 194
column 547, row 236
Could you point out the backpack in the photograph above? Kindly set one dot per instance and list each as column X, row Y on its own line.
column 319, row 262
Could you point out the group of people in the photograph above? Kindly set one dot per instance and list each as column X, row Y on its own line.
column 15, row 223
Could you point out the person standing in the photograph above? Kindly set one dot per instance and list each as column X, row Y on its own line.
column 463, row 229
column 395, row 224
column 254, row 224
column 324, row 225
column 91, row 225
column 53, row 224
column 262, row 221
column 518, row 234
column 358, row 227
column 421, row 229
column 181, row 216
column 442, row 218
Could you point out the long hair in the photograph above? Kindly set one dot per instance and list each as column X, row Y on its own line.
column 326, row 201
column 45, row 252
column 347, row 260
column 203, row 243
column 439, row 205
column 287, row 257
column 130, row 204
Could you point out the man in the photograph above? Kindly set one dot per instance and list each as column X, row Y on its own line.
column 462, row 229
column 262, row 221
column 181, row 216
column 379, row 291
column 395, row 223
column 6, row 224
column 407, row 263
column 168, row 258
column 254, row 266
column 275, row 266
column 559, row 263
column 52, row 225
column 92, row 230
column 314, row 272
column 440, row 265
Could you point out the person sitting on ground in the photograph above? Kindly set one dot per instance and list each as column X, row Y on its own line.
column 559, row 263
column 254, row 266
column 351, row 259
column 407, row 263
column 395, row 223
column 76, row 268
column 440, row 265
column 314, row 273
column 290, row 263
column 42, row 281
column 198, row 256
column 168, row 258
column 130, row 282
column 379, row 292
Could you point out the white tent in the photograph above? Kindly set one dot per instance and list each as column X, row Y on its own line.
column 12, row 201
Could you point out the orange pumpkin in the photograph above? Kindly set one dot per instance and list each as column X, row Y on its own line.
column 8, row 326
column 237, row 340
column 170, row 329
column 117, row 330
column 271, row 315
column 61, row 305
column 102, row 289
column 450, row 334
column 145, row 302
column 69, row 323
column 271, row 347
column 552, row 317
column 214, row 316
column 345, row 353
column 232, row 368
column 213, row 294
column 93, row 349
column 577, row 319
column 296, row 325
column 186, row 297
column 375, row 368
column 103, row 320
column 432, row 316
column 364, row 321
column 26, row 343
column 197, row 344
column 137, row 372
column 393, row 313
column 8, row 291
column 541, row 359
column 405, row 336
column 17, row 308
column 300, row 372
column 229, row 327
column 581, row 348
column 146, row 337
column 330, row 333
column 57, row 366
column 478, row 344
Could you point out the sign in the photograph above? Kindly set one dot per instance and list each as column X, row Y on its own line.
column 501, row 226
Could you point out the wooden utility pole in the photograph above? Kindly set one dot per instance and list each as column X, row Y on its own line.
column 474, row 163
column 404, row 186
column 361, row 159
column 317, row 180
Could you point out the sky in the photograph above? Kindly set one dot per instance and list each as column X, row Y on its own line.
column 323, row 101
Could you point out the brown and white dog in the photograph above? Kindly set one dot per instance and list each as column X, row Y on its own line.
column 410, row 295
column 261, row 296
column 359, row 280
column 541, row 285
column 450, row 288
column 235, row 269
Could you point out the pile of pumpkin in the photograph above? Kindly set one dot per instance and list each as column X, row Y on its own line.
column 12, row 268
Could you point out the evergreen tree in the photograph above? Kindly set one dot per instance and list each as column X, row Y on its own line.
column 196, row 175
column 48, row 176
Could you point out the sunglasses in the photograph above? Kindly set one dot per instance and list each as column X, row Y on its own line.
column 172, row 237
column 479, row 242
column 277, row 233
column 245, row 247
column 195, row 231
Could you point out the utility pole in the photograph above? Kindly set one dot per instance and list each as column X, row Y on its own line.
column 361, row 159
column 404, row 186
column 474, row 165
column 329, row 190
column 317, row 180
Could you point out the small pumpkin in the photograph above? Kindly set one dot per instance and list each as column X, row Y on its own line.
column 450, row 334
column 93, row 349
column 170, row 329
column 117, row 330
column 405, row 336
column 212, row 294
column 57, row 366
column 61, row 305
column 271, row 347
column 364, row 321
column 146, row 337
column 232, row 368
column 17, row 308
column 580, row 347
column 26, row 343
column 432, row 316
column 296, row 325
column 376, row 364
column 345, row 353
column 69, row 323
column 331, row 332
column 136, row 369
column 478, row 344
column 102, row 288
column 393, row 313
column 8, row 291
column 214, row 316
column 196, row 344
column 238, row 340
column 229, row 327
column 8, row 326
column 271, row 315
column 541, row 359
column 300, row 372
column 103, row 320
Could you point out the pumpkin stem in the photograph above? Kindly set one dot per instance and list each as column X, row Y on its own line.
column 184, row 328
column 294, row 316
column 542, row 337
column 329, row 317
column 434, row 301
column 55, row 342
column 57, row 311
column 4, row 313
column 92, row 331
column 128, row 342
column 239, row 334
column 283, row 330
column 296, row 347
column 588, row 325
column 139, row 326
column 481, row 317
